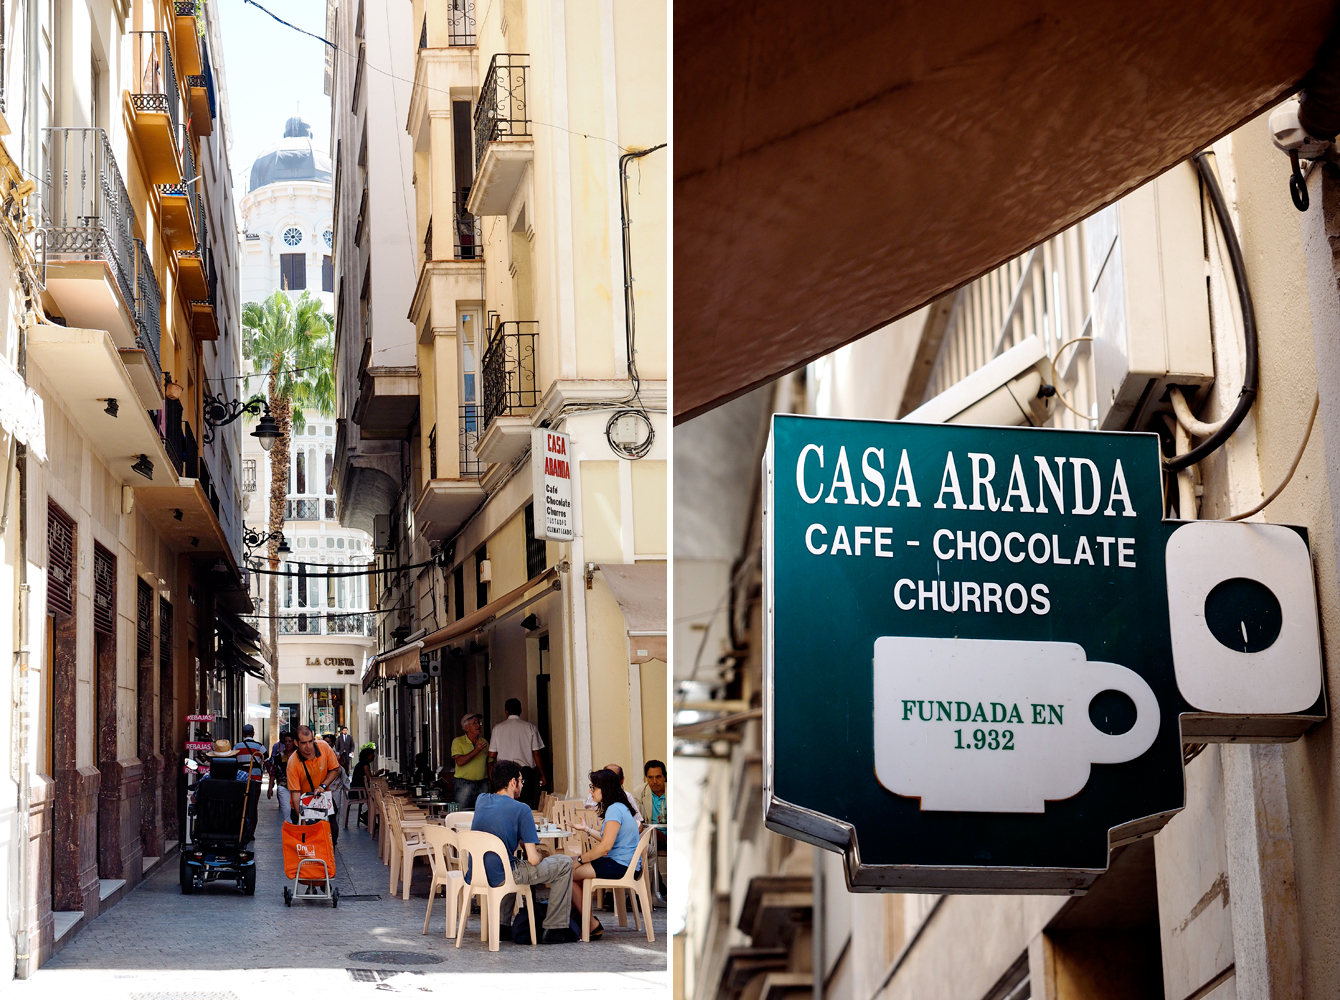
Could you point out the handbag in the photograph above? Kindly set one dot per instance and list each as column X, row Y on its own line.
column 314, row 806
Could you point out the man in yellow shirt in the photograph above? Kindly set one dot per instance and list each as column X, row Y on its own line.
column 471, row 754
column 312, row 768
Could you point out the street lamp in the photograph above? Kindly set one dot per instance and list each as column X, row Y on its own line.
column 220, row 412
column 253, row 540
column 267, row 431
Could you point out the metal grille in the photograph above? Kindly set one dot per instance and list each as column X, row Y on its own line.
column 104, row 591
column 461, row 23
column 86, row 211
column 60, row 560
column 155, row 82
column 502, row 101
column 508, row 369
column 149, row 309
column 249, row 475
column 144, row 621
column 536, row 553
column 1042, row 294
column 469, row 234
column 471, row 465
column 432, row 453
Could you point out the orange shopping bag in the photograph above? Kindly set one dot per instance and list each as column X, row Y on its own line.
column 308, row 842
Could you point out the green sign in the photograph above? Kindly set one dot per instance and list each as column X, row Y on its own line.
column 986, row 647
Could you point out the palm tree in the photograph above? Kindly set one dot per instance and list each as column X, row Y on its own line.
column 289, row 344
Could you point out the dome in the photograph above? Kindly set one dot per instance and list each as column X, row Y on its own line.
column 293, row 158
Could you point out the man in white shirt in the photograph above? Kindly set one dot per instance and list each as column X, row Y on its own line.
column 519, row 741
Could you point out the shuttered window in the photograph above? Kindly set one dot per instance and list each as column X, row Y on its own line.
column 60, row 560
column 104, row 591
column 144, row 621
column 292, row 271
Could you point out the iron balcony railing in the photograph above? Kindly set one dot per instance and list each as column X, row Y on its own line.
column 428, row 241
column 187, row 186
column 502, row 109
column 471, row 466
column 469, row 234
column 190, row 453
column 154, row 86
column 86, row 212
column 174, row 436
column 207, row 484
column 461, row 22
column 508, row 369
column 302, row 510
column 334, row 623
column 148, row 309
column 432, row 453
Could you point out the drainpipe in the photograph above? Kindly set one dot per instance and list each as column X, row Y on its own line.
column 22, row 944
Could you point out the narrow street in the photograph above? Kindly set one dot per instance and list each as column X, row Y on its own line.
column 219, row 944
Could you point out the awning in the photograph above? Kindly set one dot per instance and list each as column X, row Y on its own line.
column 830, row 178
column 395, row 658
column 640, row 590
column 494, row 609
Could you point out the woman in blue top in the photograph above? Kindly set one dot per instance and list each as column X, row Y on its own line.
column 618, row 838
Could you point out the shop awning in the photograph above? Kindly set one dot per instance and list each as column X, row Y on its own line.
column 511, row 601
column 398, row 659
column 835, row 173
column 640, row 590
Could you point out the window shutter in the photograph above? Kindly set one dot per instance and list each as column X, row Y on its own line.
column 104, row 591
column 60, row 560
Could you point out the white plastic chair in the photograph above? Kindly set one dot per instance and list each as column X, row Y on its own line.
column 443, row 844
column 477, row 844
column 633, row 880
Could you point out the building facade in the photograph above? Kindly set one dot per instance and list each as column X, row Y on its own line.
column 1233, row 896
column 325, row 632
column 524, row 154
column 122, row 523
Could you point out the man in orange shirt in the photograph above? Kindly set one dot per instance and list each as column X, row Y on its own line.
column 312, row 768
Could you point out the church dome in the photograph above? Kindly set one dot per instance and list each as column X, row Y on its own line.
column 293, row 158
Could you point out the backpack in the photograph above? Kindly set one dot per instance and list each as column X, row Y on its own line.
column 521, row 925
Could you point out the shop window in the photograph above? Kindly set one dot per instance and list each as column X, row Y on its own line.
column 536, row 555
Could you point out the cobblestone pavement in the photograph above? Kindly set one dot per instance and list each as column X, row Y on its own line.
column 219, row 945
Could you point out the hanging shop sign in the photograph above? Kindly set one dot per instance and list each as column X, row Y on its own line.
column 551, row 473
column 986, row 648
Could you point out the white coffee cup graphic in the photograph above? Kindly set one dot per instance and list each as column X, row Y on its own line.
column 985, row 725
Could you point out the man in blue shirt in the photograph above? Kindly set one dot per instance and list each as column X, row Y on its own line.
column 500, row 813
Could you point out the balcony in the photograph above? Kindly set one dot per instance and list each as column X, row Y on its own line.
column 194, row 265
column 155, row 105
column 187, row 33
column 327, row 623
column 503, row 143
column 510, row 391
column 204, row 319
column 444, row 504
column 142, row 362
column 180, row 207
column 86, row 370
column 202, row 104
column 86, row 238
column 302, row 510
column 469, row 243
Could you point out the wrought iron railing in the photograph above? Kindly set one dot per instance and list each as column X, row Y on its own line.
column 432, row 453
column 461, row 22
column 190, row 453
column 335, row 623
column 185, row 8
column 154, row 85
column 428, row 240
column 207, row 484
column 86, row 212
column 502, row 109
column 148, row 309
column 469, row 234
column 423, row 34
column 187, row 187
column 174, row 435
column 471, row 466
column 302, row 510
column 508, row 370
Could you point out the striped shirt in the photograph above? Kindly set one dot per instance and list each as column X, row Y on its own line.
column 250, row 754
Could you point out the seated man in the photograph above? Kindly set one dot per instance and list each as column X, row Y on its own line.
column 637, row 811
column 511, row 821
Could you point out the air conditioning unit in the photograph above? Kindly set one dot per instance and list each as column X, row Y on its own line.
column 381, row 532
column 1150, row 303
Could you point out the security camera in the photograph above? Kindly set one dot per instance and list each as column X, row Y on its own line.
column 1288, row 134
column 1015, row 388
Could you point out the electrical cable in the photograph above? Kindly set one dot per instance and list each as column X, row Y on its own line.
column 1247, row 396
column 1307, row 435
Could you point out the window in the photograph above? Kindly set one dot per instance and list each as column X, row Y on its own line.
column 292, row 236
column 329, row 237
column 481, row 588
column 536, row 555
column 300, row 478
column 249, row 475
column 458, row 592
column 292, row 271
column 327, row 274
